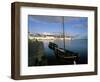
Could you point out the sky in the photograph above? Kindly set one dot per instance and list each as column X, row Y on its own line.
column 73, row 26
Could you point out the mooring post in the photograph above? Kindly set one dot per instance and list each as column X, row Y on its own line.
column 74, row 62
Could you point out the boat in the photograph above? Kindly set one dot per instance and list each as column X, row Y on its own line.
column 52, row 46
column 63, row 54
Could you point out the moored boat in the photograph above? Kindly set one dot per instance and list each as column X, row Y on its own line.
column 63, row 54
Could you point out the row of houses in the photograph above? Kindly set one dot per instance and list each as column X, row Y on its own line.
column 47, row 36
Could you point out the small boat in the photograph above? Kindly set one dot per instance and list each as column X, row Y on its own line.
column 63, row 54
column 52, row 45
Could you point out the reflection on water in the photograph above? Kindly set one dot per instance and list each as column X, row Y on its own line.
column 78, row 45
column 41, row 55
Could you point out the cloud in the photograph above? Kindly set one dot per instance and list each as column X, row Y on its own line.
column 80, row 26
column 52, row 19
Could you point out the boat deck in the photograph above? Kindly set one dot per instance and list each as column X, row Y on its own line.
column 63, row 54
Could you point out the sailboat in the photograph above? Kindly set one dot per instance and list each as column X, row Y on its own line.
column 62, row 54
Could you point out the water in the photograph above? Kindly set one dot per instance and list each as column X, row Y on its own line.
column 78, row 46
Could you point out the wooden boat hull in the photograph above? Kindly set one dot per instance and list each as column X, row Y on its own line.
column 63, row 54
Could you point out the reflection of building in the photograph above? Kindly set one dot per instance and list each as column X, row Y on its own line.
column 47, row 36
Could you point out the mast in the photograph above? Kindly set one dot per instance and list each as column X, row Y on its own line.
column 63, row 31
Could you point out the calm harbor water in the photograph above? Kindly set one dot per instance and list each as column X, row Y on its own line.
column 78, row 46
